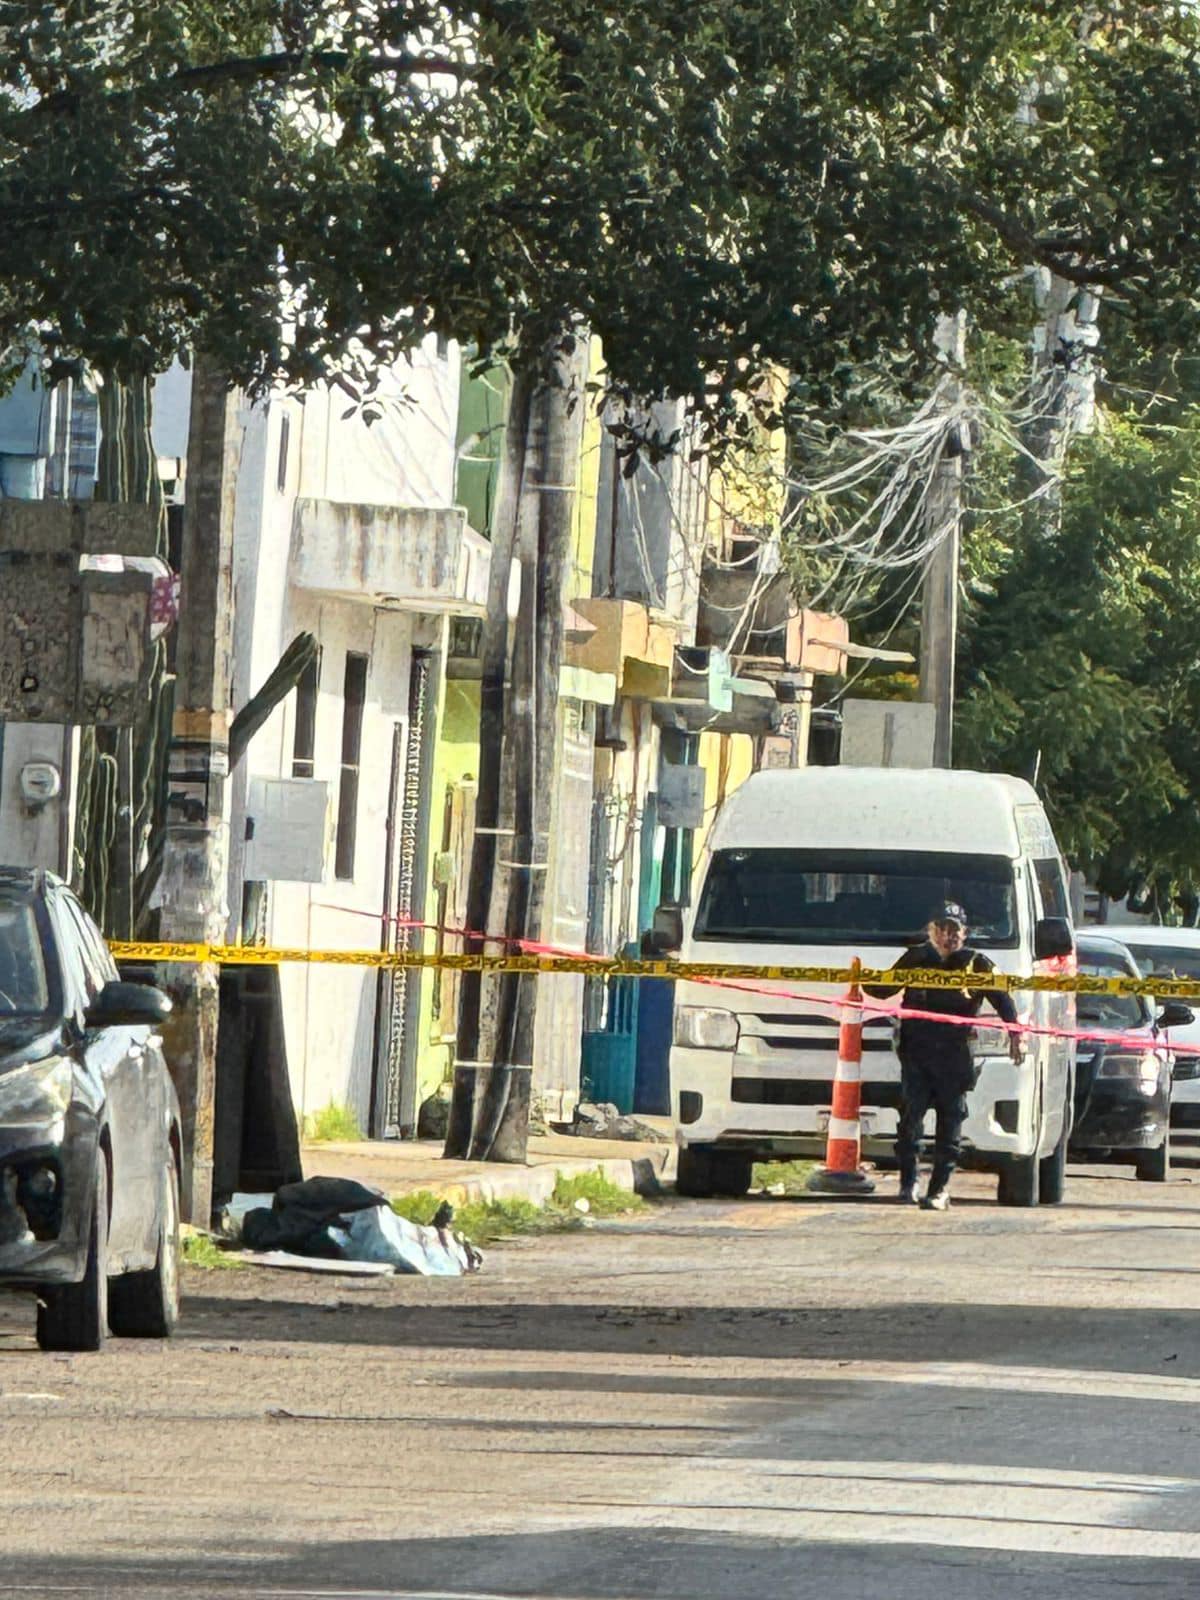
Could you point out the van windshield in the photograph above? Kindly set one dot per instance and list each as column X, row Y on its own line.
column 856, row 897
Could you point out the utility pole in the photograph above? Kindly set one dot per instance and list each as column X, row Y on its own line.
column 519, row 744
column 943, row 519
column 196, row 850
column 488, row 882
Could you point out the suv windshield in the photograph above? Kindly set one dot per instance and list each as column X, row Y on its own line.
column 856, row 897
column 24, row 991
column 1166, row 961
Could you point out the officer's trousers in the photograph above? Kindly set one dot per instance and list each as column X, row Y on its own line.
column 937, row 1081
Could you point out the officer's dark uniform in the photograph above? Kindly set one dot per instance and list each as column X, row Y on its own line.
column 936, row 1065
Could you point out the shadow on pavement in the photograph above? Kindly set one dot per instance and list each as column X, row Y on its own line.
column 598, row 1563
column 1132, row 1339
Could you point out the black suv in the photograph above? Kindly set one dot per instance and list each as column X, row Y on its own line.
column 1123, row 1084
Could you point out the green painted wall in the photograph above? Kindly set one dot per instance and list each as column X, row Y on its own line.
column 482, row 410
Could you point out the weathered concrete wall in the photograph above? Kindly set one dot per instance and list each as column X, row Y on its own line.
column 422, row 556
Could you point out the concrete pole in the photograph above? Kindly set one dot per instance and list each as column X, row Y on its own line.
column 943, row 518
column 37, row 835
column 193, row 893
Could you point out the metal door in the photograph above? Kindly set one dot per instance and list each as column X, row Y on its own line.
column 395, row 1112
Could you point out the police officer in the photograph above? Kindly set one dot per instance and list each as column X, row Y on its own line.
column 936, row 1065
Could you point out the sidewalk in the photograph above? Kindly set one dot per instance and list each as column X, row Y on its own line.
column 398, row 1166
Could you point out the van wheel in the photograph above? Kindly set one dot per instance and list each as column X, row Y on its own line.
column 74, row 1316
column 1052, row 1173
column 732, row 1175
column 694, row 1177
column 1018, row 1184
column 1154, row 1166
column 703, row 1173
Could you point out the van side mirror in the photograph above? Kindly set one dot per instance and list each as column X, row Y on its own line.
column 665, row 935
column 1052, row 937
column 1174, row 1014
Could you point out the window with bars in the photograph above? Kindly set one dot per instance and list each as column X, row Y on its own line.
column 281, row 464
column 354, row 694
column 304, row 738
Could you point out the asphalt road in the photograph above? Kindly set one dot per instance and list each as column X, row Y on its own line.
column 718, row 1401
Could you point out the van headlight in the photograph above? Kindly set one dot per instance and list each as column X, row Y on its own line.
column 37, row 1094
column 704, row 1028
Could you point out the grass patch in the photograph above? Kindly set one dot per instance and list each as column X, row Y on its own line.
column 493, row 1221
column 793, row 1175
column 334, row 1124
column 483, row 1221
column 198, row 1250
column 604, row 1197
column 419, row 1206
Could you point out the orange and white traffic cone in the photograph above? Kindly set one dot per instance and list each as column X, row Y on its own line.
column 842, row 1174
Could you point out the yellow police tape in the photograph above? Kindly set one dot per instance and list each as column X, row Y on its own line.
column 599, row 967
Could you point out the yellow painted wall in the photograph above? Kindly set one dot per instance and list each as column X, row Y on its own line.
column 749, row 486
column 728, row 760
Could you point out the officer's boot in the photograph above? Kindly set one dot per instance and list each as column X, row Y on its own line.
column 937, row 1196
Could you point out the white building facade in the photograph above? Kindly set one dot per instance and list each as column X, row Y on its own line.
column 348, row 532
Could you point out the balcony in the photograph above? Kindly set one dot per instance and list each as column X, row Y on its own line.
column 627, row 644
column 746, row 603
column 405, row 558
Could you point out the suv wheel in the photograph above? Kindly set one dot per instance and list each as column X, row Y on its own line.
column 1052, row 1173
column 74, row 1316
column 145, row 1305
column 1154, row 1166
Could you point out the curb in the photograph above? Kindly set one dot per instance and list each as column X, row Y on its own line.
column 645, row 1175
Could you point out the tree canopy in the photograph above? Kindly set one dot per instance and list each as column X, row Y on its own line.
column 300, row 186
column 1083, row 666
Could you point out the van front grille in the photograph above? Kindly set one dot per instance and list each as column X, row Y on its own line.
column 811, row 1033
column 806, row 1092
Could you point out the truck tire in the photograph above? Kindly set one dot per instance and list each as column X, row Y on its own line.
column 74, row 1316
column 145, row 1305
column 1018, row 1183
column 704, row 1173
column 1052, row 1172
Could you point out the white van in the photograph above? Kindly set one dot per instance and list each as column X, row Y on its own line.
column 817, row 866
column 1172, row 953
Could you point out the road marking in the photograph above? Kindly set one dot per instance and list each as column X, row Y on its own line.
column 399, row 1594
